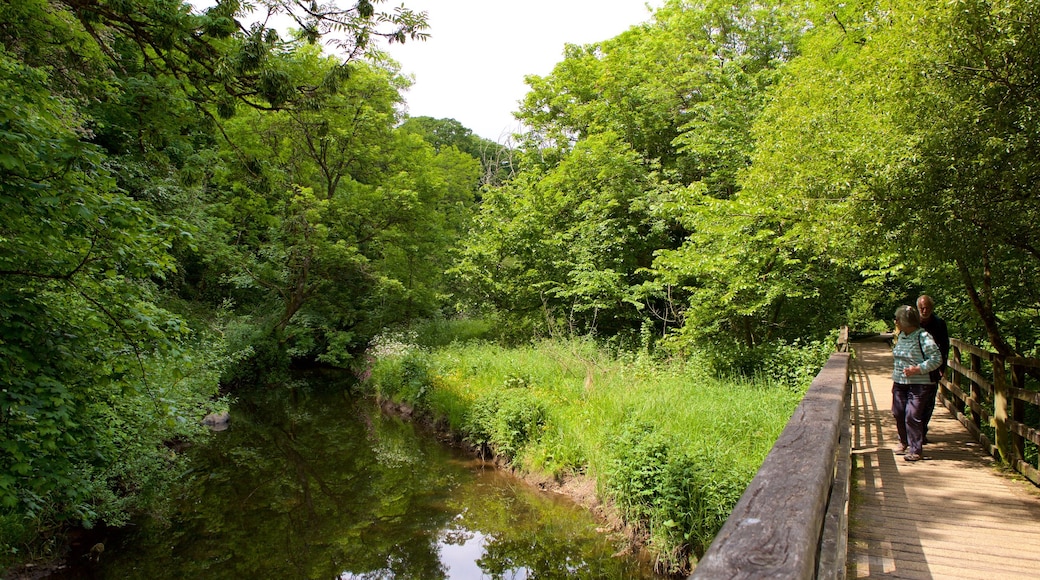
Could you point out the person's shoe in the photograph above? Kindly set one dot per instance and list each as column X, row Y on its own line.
column 912, row 457
column 900, row 449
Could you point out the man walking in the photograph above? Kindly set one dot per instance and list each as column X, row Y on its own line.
column 936, row 327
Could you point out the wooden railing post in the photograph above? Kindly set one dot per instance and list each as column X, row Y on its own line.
column 973, row 394
column 959, row 380
column 834, row 540
column 1000, row 410
column 1018, row 413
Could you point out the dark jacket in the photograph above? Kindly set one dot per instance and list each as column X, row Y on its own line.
column 936, row 327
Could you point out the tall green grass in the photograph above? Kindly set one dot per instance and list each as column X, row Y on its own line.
column 670, row 444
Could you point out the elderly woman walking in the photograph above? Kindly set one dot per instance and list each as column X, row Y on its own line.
column 915, row 354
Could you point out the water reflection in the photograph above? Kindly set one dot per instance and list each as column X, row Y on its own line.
column 460, row 551
column 310, row 483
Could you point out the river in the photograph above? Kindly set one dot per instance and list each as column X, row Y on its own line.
column 310, row 481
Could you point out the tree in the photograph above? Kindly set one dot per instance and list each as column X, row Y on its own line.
column 568, row 243
column 736, row 271
column 82, row 337
column 109, row 117
column 331, row 223
column 782, row 258
column 674, row 102
column 913, row 149
column 495, row 159
column 682, row 91
column 972, row 110
column 220, row 62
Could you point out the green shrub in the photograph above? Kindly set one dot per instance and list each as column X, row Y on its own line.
column 15, row 531
column 404, row 378
column 698, row 492
column 263, row 361
column 507, row 419
column 437, row 332
column 796, row 364
column 638, row 458
column 114, row 462
column 793, row 364
column 682, row 497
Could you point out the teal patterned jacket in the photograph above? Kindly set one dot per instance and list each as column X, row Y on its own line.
column 916, row 348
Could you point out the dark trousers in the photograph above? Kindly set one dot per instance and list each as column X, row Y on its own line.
column 928, row 400
column 909, row 403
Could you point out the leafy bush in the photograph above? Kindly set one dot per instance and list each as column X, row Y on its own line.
column 698, row 492
column 262, row 361
column 639, row 455
column 682, row 497
column 793, row 364
column 796, row 364
column 444, row 331
column 404, row 378
column 115, row 461
column 506, row 419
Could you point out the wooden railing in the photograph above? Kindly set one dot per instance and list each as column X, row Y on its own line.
column 792, row 521
column 995, row 395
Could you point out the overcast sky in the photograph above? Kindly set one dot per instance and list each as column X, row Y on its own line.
column 473, row 66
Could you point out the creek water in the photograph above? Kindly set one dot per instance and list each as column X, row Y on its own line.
column 311, row 482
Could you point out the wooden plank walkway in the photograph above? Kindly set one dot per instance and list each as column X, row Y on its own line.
column 952, row 515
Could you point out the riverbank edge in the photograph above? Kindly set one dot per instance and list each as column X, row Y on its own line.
column 581, row 489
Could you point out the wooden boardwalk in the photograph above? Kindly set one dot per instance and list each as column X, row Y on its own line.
column 952, row 515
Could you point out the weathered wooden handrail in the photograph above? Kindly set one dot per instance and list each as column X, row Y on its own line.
column 792, row 520
column 990, row 391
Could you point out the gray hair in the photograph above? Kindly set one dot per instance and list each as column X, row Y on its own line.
column 907, row 317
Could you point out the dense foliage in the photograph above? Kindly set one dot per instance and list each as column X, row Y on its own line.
column 625, row 213
column 733, row 175
column 192, row 199
column 916, row 123
column 187, row 198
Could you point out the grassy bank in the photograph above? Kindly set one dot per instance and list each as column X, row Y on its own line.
column 670, row 445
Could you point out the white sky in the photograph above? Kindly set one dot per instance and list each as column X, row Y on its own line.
column 472, row 67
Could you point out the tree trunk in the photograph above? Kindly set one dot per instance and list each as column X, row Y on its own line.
column 983, row 303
